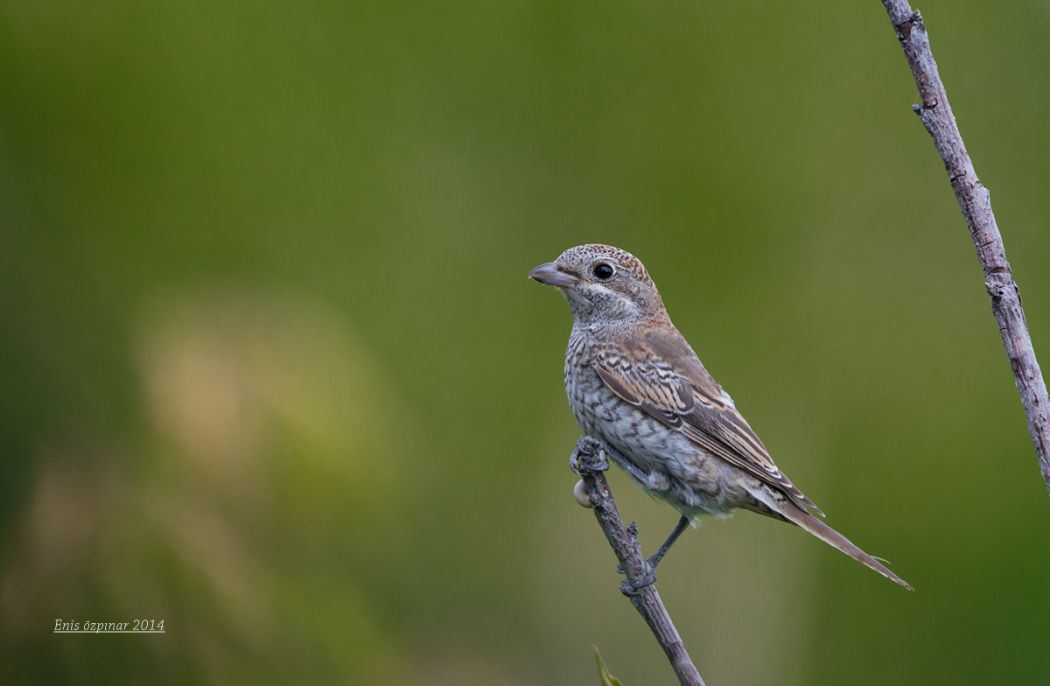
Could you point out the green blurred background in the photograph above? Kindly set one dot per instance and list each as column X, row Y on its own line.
column 272, row 370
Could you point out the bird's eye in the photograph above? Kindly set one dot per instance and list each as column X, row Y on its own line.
column 603, row 271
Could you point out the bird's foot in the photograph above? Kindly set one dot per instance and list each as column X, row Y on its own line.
column 589, row 456
column 628, row 588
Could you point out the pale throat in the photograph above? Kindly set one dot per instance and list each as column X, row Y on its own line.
column 604, row 306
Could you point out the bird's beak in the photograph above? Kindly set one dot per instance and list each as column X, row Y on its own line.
column 550, row 275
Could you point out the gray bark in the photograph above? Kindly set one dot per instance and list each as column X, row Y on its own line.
column 589, row 461
column 936, row 114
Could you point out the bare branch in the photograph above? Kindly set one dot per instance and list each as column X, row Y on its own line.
column 589, row 461
column 936, row 115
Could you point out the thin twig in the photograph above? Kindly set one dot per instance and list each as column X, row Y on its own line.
column 936, row 114
column 589, row 461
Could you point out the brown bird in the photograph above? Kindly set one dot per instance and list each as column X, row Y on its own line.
column 635, row 384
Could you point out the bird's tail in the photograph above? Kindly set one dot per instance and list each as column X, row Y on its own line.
column 825, row 533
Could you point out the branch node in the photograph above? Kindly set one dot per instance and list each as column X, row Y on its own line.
column 905, row 27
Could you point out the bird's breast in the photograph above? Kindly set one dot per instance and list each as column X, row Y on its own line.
column 698, row 482
column 603, row 415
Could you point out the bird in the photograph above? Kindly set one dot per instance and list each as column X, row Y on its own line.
column 635, row 384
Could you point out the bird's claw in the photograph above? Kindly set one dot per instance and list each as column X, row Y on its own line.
column 648, row 576
column 589, row 455
column 631, row 589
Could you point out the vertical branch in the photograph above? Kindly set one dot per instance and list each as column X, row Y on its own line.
column 975, row 203
column 588, row 460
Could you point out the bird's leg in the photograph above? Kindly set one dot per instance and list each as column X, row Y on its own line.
column 629, row 467
column 681, row 526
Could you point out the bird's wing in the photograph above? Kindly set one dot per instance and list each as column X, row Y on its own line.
column 659, row 373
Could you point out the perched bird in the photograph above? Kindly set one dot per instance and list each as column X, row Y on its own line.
column 635, row 384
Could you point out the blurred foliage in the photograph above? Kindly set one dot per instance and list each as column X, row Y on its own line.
column 272, row 370
column 607, row 679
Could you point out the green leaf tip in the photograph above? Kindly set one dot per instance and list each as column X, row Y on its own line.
column 603, row 671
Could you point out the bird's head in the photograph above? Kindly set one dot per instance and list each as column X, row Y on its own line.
column 603, row 284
